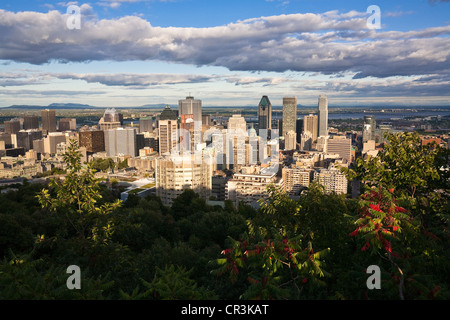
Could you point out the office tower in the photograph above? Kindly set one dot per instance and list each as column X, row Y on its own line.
column 206, row 119
column 48, row 121
column 384, row 129
column 250, row 185
column 340, row 145
column 299, row 129
column 264, row 115
column 289, row 115
column 186, row 133
column 173, row 175
column 30, row 122
column 323, row 115
column 310, row 124
column 168, row 135
column 92, row 140
column 168, row 114
column 191, row 106
column 111, row 115
column 24, row 138
column 111, row 119
column 237, row 123
column 369, row 128
column 121, row 141
column 306, row 141
column 332, row 179
column 146, row 125
column 67, row 124
column 51, row 141
column 12, row 126
column 290, row 140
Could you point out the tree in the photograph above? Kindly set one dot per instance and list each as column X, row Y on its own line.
column 78, row 199
column 274, row 257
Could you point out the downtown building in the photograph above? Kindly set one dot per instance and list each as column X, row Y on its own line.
column 92, row 140
column 48, row 121
column 30, row 122
column 250, row 185
column 323, row 116
column 296, row 178
column 174, row 174
column 264, row 116
column 121, row 142
column 369, row 129
column 332, row 179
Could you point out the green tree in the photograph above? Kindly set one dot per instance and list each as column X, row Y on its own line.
column 78, row 199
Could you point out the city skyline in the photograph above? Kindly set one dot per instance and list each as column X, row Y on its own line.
column 132, row 53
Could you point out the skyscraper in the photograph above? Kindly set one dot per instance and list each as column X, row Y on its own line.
column 191, row 106
column 289, row 114
column 12, row 126
column 168, row 135
column 323, row 115
column 48, row 121
column 370, row 125
column 121, row 141
column 30, row 122
column 265, row 114
column 92, row 140
column 310, row 124
column 111, row 119
column 237, row 123
column 146, row 124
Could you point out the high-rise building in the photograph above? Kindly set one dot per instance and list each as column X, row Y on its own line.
column 340, row 145
column 310, row 124
column 51, row 141
column 289, row 115
column 290, row 140
column 332, row 179
column 30, row 122
column 237, row 123
column 92, row 140
column 146, row 125
column 323, row 115
column 12, row 126
column 369, row 128
column 48, row 121
column 385, row 129
column 168, row 135
column 173, row 175
column 264, row 115
column 191, row 106
column 111, row 119
column 168, row 114
column 121, row 141
column 67, row 124
column 24, row 138
column 296, row 178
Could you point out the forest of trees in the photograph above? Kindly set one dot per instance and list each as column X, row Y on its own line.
column 317, row 248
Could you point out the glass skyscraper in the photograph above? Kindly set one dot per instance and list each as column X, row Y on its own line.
column 323, row 115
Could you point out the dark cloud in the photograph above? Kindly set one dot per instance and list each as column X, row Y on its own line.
column 329, row 43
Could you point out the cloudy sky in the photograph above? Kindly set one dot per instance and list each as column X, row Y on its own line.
column 229, row 53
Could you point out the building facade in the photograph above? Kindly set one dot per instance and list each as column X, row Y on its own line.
column 173, row 175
